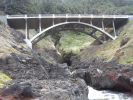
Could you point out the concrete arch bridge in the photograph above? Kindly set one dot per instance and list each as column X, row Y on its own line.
column 79, row 22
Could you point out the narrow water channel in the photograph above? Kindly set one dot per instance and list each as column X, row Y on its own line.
column 107, row 95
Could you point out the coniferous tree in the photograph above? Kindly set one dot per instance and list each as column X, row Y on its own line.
column 67, row 6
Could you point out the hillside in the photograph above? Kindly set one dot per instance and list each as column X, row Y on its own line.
column 67, row 6
column 11, row 41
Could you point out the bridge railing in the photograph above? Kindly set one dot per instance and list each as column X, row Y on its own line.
column 67, row 16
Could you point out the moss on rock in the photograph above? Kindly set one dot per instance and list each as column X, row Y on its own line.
column 4, row 79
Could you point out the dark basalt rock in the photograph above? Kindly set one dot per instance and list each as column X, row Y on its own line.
column 83, row 74
column 68, row 89
column 24, row 68
column 104, row 75
column 27, row 67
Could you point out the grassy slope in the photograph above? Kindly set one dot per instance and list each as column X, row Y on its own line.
column 127, row 49
column 73, row 42
column 113, row 50
column 6, row 41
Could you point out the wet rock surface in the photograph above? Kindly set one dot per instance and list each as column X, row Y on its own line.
column 105, row 75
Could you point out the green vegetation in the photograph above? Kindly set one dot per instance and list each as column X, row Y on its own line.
column 4, row 79
column 73, row 42
column 120, row 49
column 126, row 51
column 67, row 6
column 66, row 41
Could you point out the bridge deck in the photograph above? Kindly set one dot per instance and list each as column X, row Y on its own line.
column 18, row 21
column 66, row 16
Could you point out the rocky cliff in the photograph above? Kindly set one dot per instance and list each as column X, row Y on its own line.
column 31, row 76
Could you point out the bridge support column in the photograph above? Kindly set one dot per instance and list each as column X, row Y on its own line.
column 103, row 27
column 114, row 28
column 28, row 42
column 53, row 18
column 40, row 23
column 91, row 21
column 26, row 28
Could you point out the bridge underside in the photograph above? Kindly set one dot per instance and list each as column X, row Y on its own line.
column 74, row 26
column 33, row 23
column 81, row 24
column 81, row 29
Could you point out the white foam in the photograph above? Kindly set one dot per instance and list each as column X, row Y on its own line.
column 106, row 95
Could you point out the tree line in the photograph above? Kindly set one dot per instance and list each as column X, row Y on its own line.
column 67, row 6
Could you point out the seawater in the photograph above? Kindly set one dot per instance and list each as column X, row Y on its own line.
column 107, row 95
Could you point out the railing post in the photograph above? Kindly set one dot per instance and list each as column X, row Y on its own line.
column 40, row 23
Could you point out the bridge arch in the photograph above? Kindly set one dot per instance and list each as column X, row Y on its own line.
column 66, row 23
column 31, row 41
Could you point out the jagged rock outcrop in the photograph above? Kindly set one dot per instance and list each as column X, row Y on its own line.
column 105, row 75
column 52, row 78
column 69, row 89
